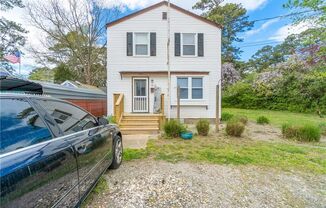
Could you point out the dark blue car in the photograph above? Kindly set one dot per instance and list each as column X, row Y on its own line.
column 52, row 152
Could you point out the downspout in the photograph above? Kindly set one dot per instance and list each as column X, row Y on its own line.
column 168, row 62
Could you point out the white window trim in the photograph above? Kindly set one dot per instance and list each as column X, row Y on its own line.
column 202, row 88
column 190, row 88
column 134, row 44
column 196, row 45
column 183, row 77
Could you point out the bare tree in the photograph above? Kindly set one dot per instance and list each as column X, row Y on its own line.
column 76, row 34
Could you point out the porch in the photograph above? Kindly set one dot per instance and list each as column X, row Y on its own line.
column 137, row 122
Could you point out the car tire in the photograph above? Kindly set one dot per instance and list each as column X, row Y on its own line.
column 117, row 152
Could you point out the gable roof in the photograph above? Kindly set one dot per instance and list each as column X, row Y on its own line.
column 158, row 5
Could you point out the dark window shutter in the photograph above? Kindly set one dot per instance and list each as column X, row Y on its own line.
column 129, row 44
column 153, row 44
column 200, row 44
column 177, row 44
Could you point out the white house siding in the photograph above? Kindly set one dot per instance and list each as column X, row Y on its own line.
column 151, row 21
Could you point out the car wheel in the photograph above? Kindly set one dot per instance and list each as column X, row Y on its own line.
column 117, row 153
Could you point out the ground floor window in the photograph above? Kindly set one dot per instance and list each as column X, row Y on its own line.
column 190, row 87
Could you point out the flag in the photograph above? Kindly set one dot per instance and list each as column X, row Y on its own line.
column 13, row 58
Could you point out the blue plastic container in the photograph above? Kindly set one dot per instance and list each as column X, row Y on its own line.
column 186, row 135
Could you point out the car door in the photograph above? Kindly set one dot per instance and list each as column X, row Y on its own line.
column 37, row 169
column 92, row 142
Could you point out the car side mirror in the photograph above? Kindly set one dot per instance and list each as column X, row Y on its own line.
column 102, row 121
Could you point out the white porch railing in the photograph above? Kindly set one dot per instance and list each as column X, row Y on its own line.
column 140, row 104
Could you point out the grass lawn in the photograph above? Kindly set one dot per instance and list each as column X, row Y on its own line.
column 235, row 151
column 278, row 118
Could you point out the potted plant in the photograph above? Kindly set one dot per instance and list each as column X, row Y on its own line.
column 185, row 133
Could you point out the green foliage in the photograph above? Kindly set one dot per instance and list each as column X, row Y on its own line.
column 42, row 74
column 133, row 154
column 202, row 127
column 234, row 20
column 315, row 5
column 112, row 119
column 100, row 187
column 173, row 128
column 305, row 133
column 266, row 57
column 307, row 45
column 293, row 91
column 262, row 120
column 240, row 152
column 322, row 127
column 12, row 33
column 240, row 118
column 10, row 4
column 234, row 128
column 226, row 116
column 63, row 73
column 278, row 118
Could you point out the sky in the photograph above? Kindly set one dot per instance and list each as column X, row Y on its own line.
column 268, row 32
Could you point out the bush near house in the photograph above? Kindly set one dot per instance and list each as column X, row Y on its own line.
column 322, row 127
column 203, row 127
column 173, row 128
column 306, row 133
column 112, row 119
column 242, row 119
column 226, row 116
column 262, row 120
column 234, row 128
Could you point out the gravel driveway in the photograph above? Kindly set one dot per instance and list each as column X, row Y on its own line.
column 149, row 183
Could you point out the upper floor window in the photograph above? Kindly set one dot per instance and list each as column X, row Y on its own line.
column 141, row 44
column 189, row 44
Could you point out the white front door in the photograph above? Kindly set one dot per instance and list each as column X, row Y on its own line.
column 140, row 95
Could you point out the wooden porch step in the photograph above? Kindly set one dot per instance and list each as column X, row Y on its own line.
column 144, row 130
column 140, row 119
column 138, row 124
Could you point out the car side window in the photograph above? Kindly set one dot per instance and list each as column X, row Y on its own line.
column 68, row 117
column 20, row 125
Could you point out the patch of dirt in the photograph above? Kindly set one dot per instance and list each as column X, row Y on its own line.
column 149, row 183
column 262, row 132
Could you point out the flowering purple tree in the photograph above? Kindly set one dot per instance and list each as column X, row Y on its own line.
column 229, row 75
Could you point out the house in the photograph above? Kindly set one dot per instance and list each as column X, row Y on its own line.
column 137, row 67
column 77, row 84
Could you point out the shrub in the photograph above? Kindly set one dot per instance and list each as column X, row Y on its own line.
column 235, row 128
column 289, row 131
column 226, row 116
column 292, row 91
column 306, row 133
column 322, row 127
column 202, row 127
column 309, row 133
column 173, row 128
column 112, row 119
column 262, row 120
column 242, row 119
